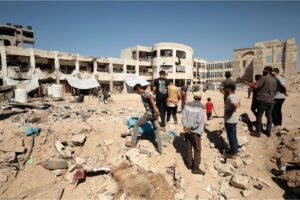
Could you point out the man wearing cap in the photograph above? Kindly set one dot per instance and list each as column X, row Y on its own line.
column 225, row 83
column 193, row 126
column 160, row 90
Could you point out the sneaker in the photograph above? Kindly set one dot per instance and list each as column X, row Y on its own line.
column 254, row 134
column 230, row 156
column 130, row 144
column 198, row 171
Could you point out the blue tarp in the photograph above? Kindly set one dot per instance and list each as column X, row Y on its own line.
column 146, row 130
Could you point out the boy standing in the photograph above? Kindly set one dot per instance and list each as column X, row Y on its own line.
column 231, row 119
column 193, row 126
column 209, row 106
column 152, row 114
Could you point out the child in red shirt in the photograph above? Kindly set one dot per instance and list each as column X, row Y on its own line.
column 209, row 106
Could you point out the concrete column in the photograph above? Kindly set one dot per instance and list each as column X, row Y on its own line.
column 111, row 76
column 77, row 64
column 137, row 69
column 32, row 61
column 95, row 67
column 174, row 81
column 3, row 61
column 124, row 72
column 185, row 82
column 57, row 68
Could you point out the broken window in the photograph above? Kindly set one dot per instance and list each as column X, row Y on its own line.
column 269, row 59
column 45, row 65
column 117, row 68
column 279, row 57
column 134, row 55
column 145, row 70
column 18, row 63
column 103, row 67
column 180, row 68
column 66, row 66
column 145, row 56
column 130, row 69
column 167, row 68
column 6, row 43
column 86, row 67
column 28, row 34
column 180, row 54
column 7, row 31
column 154, row 54
column 166, row 53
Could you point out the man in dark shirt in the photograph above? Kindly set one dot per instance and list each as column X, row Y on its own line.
column 226, row 82
column 160, row 90
column 266, row 88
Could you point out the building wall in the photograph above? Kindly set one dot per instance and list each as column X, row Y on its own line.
column 275, row 53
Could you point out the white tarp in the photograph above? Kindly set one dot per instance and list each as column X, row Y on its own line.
column 28, row 85
column 133, row 80
column 83, row 84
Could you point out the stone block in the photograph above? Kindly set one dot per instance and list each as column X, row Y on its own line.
column 240, row 181
column 78, row 139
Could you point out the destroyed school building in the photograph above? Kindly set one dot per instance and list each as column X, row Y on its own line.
column 22, row 63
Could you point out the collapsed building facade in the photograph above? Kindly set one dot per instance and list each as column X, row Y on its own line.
column 20, row 63
column 275, row 53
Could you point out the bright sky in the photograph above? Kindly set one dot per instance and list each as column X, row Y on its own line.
column 213, row 29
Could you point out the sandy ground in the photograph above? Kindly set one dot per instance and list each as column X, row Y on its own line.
column 109, row 127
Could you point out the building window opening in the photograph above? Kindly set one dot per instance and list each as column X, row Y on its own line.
column 180, row 54
column 130, row 69
column 66, row 66
column 28, row 34
column 134, row 55
column 167, row 68
column 279, row 57
column 86, row 67
column 166, row 53
column 154, row 54
column 45, row 65
column 145, row 56
column 117, row 68
column 269, row 59
column 103, row 67
column 18, row 63
column 145, row 70
column 7, row 43
column 7, row 31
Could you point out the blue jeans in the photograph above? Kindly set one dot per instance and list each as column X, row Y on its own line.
column 231, row 134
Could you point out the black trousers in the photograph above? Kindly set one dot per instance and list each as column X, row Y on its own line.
column 162, row 107
column 193, row 141
column 254, row 107
column 268, row 108
column 276, row 113
column 173, row 111
column 208, row 115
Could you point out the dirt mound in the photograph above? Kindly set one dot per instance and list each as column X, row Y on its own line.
column 141, row 185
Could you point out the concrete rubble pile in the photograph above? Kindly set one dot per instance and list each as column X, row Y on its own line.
column 287, row 159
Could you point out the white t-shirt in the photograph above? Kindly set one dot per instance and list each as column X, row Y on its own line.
column 229, row 116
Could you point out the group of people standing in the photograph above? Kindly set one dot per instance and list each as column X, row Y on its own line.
column 269, row 92
column 268, row 96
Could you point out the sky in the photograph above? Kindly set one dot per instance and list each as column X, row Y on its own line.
column 212, row 29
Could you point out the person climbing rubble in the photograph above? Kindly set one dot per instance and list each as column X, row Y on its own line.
column 152, row 114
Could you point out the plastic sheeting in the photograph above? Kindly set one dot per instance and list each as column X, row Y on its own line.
column 133, row 80
column 28, row 85
column 83, row 84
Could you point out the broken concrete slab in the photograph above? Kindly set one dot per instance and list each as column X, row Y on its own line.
column 78, row 139
column 240, row 181
column 225, row 169
column 59, row 172
column 236, row 162
column 132, row 154
column 246, row 193
column 54, row 164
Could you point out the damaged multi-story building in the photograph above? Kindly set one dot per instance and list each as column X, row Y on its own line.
column 275, row 53
column 21, row 61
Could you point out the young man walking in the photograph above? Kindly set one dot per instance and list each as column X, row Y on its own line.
column 152, row 114
column 279, row 99
column 174, row 97
column 231, row 118
column 193, row 126
column 160, row 90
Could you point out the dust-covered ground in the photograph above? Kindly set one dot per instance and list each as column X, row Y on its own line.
column 147, row 174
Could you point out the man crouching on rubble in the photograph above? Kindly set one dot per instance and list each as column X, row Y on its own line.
column 193, row 125
column 151, row 114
